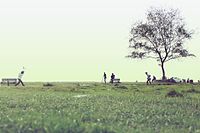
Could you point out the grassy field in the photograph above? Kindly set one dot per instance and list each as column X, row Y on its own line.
column 99, row 108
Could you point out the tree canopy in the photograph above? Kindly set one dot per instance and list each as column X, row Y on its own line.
column 160, row 37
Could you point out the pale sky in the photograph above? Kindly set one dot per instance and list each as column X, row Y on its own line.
column 77, row 40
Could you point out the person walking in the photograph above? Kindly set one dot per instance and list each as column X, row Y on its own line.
column 148, row 78
column 20, row 78
column 104, row 77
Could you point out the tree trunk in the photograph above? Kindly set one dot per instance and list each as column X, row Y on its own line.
column 163, row 71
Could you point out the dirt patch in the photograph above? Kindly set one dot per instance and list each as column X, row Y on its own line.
column 158, row 89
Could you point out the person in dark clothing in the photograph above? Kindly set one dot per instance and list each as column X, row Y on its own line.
column 154, row 79
column 104, row 77
column 112, row 77
column 20, row 78
column 188, row 80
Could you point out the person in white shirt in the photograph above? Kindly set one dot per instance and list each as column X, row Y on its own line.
column 148, row 78
column 20, row 78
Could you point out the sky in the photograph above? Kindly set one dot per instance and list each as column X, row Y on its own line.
column 78, row 40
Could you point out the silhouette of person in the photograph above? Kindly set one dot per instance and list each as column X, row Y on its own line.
column 112, row 78
column 148, row 78
column 154, row 79
column 20, row 78
column 188, row 80
column 104, row 77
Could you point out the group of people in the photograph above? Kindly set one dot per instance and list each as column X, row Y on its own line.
column 187, row 81
column 112, row 77
column 149, row 81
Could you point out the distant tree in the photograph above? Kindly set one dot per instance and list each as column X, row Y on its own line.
column 161, row 37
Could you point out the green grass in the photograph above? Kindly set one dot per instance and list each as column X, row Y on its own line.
column 128, row 107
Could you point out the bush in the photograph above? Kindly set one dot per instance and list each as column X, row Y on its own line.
column 173, row 93
column 48, row 85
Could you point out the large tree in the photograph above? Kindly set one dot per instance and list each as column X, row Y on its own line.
column 160, row 37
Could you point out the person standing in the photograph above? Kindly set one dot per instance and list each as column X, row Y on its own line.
column 148, row 78
column 20, row 78
column 188, row 80
column 104, row 77
column 112, row 77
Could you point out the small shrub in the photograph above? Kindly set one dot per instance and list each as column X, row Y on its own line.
column 48, row 85
column 173, row 93
column 158, row 89
column 78, row 84
column 137, row 90
column 116, row 84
